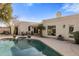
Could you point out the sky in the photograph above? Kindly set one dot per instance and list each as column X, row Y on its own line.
column 36, row 12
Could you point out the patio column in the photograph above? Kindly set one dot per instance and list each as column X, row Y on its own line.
column 12, row 27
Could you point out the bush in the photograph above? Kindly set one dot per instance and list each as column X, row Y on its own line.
column 76, row 37
column 22, row 33
column 60, row 37
column 29, row 36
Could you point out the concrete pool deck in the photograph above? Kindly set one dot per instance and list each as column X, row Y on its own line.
column 65, row 48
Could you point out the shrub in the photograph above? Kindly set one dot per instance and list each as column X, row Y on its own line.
column 29, row 36
column 76, row 37
column 41, row 27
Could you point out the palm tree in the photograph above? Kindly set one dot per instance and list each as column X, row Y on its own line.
column 41, row 27
column 6, row 13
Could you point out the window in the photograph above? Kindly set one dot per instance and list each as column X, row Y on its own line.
column 51, row 30
column 51, row 27
column 28, row 28
column 71, row 29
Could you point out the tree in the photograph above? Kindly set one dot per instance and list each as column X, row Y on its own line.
column 6, row 13
column 41, row 27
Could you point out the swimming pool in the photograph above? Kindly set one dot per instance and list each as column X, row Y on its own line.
column 25, row 47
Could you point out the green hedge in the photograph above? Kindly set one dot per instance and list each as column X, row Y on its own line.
column 76, row 37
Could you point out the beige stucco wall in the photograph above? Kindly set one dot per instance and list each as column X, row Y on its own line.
column 59, row 22
column 23, row 26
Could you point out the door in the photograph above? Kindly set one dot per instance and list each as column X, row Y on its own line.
column 16, row 29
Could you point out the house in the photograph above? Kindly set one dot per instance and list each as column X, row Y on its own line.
column 22, row 26
column 61, row 25
column 19, row 26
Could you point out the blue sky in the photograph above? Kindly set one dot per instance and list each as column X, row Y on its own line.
column 36, row 12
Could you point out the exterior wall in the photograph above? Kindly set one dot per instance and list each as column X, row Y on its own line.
column 2, row 29
column 45, row 30
column 23, row 26
column 59, row 22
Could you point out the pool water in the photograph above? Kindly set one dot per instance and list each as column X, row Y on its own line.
column 25, row 48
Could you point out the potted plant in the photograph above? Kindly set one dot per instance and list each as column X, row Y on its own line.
column 14, row 36
column 60, row 37
column 28, row 35
column 76, row 37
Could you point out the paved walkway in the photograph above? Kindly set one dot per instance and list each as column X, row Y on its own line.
column 66, row 48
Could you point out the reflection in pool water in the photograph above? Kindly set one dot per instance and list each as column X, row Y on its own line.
column 24, row 47
column 21, row 48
